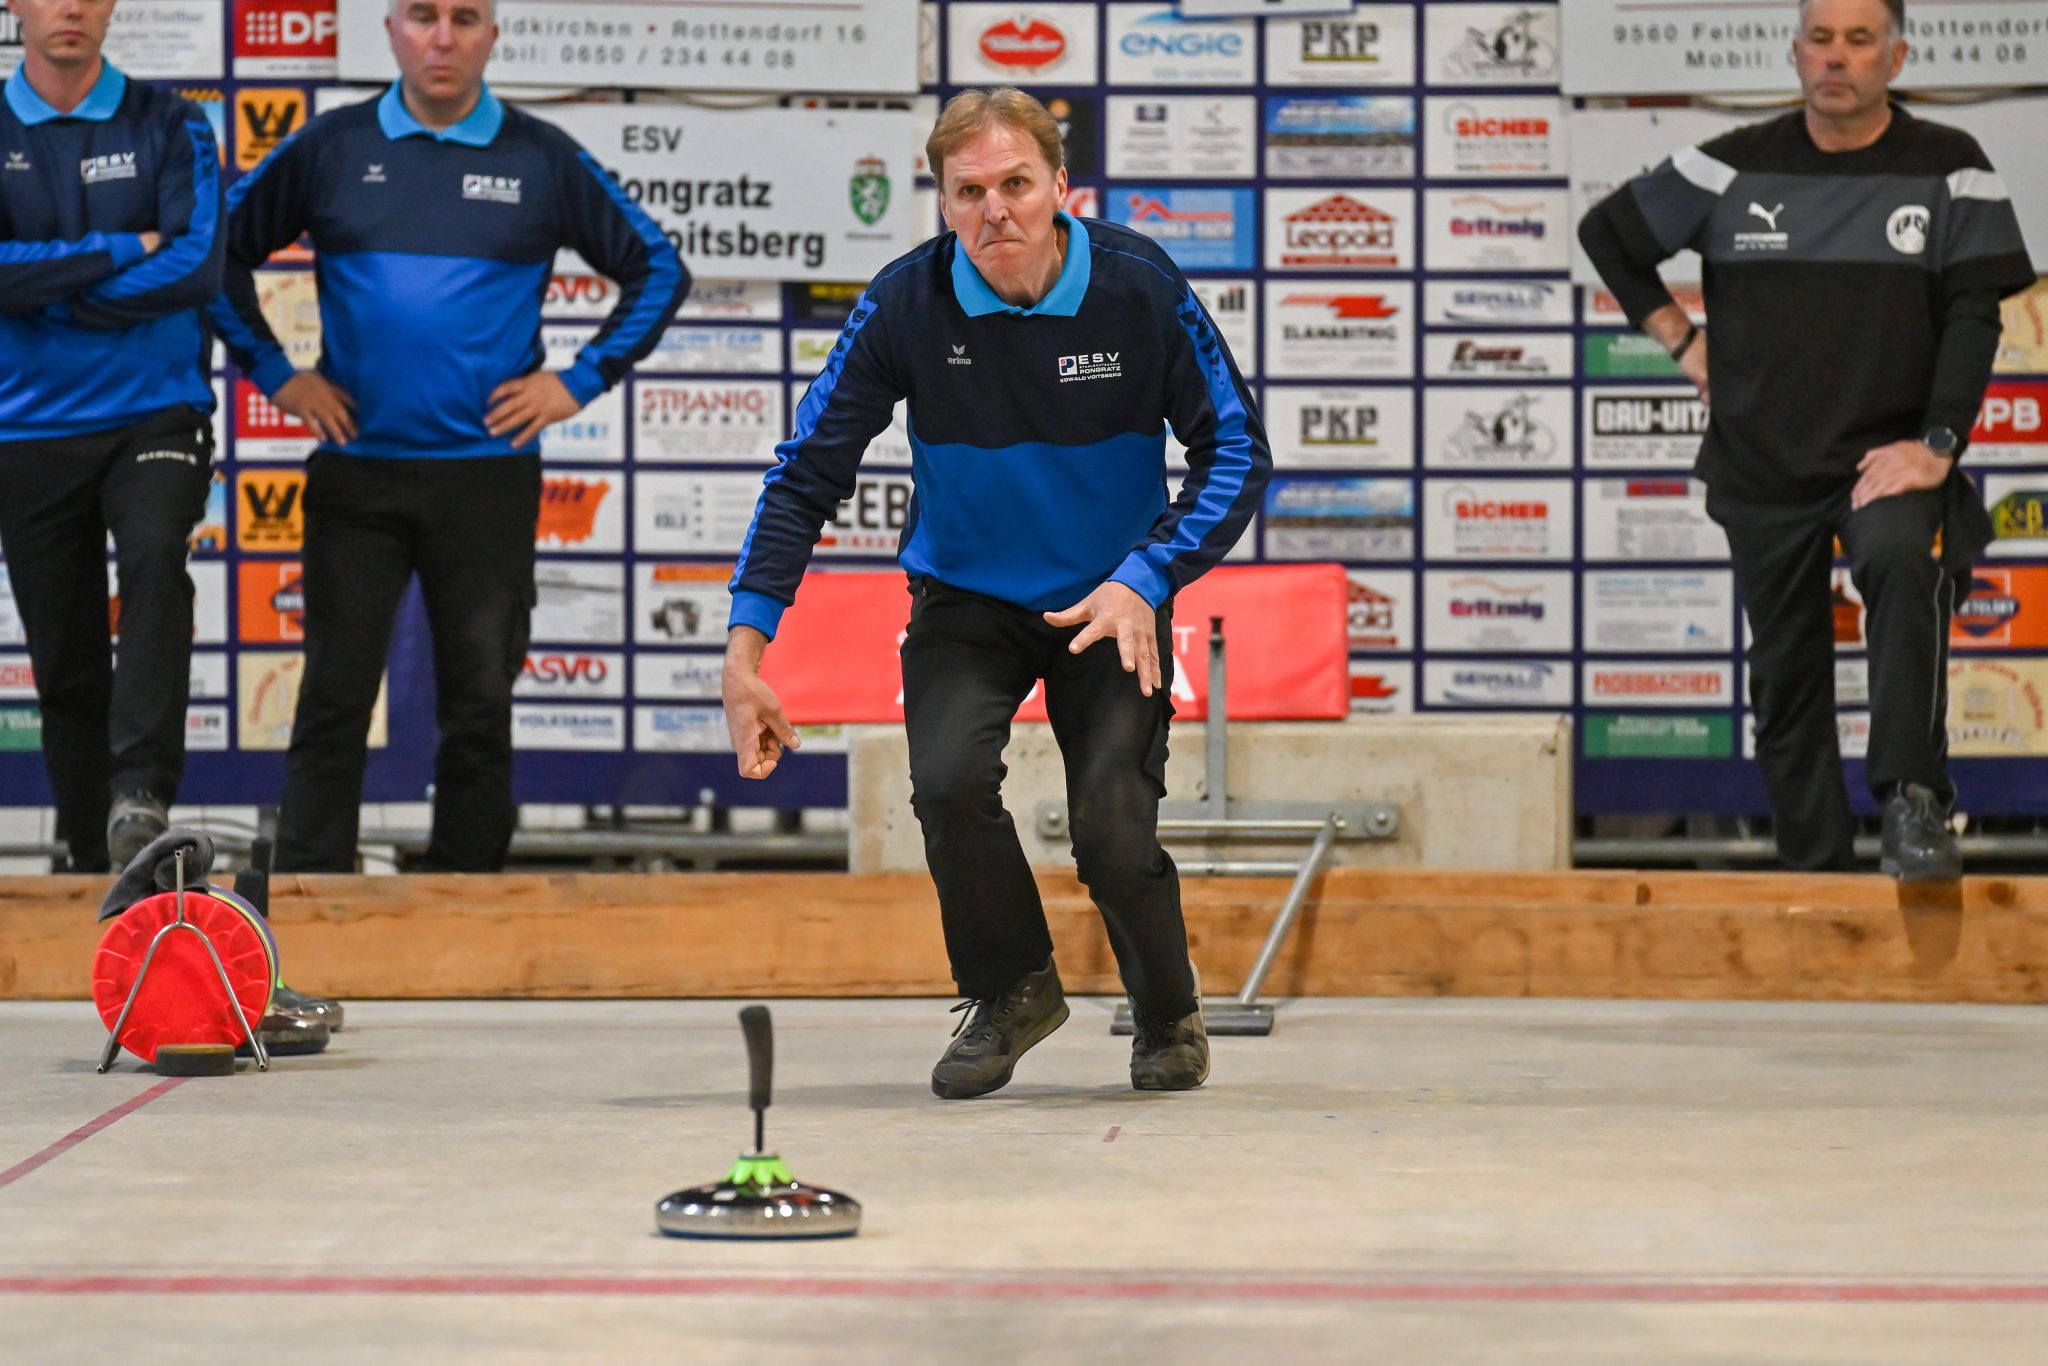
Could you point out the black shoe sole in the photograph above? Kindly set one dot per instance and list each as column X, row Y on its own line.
column 948, row 1090
column 1162, row 1082
column 1890, row 868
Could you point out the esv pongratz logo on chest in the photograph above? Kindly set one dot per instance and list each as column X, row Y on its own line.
column 493, row 189
column 1091, row 365
column 111, row 166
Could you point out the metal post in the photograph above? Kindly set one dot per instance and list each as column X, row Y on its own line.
column 1297, row 897
column 1216, row 731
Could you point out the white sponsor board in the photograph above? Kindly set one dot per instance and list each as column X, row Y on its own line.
column 579, row 604
column 1610, row 147
column 1369, row 45
column 209, row 674
column 1231, row 308
column 889, row 450
column 1642, row 427
column 1497, row 355
column 596, row 435
column 551, row 672
column 1852, row 680
column 1474, row 427
column 1340, row 137
column 1614, row 47
column 1497, row 519
column 678, row 677
column 17, row 678
column 1339, row 228
column 859, row 45
column 1852, row 732
column 810, row 348
column 1650, row 683
column 687, row 730
column 206, row 729
column 872, row 521
column 1349, row 427
column 560, row 343
column 732, row 300
column 681, row 604
column 168, row 40
column 1499, row 45
column 694, row 513
column 832, row 203
column 1503, row 611
column 1152, row 44
column 1496, row 303
column 1027, row 45
column 1352, row 518
column 690, row 350
column 1187, row 137
column 1215, row 9
column 582, row 512
column 1380, row 613
column 12, row 632
column 1507, row 228
column 1494, row 137
column 713, row 421
column 587, row 728
column 1660, row 517
column 1483, row 683
column 1382, row 687
column 1348, row 329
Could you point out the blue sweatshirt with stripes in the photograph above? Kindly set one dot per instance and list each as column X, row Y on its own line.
column 432, row 252
column 1037, row 434
column 96, row 334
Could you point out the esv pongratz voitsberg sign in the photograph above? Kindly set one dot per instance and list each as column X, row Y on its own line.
column 761, row 194
column 852, row 46
column 1706, row 47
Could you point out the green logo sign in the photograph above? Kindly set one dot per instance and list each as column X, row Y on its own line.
column 869, row 189
column 1611, row 735
column 1626, row 355
column 21, row 728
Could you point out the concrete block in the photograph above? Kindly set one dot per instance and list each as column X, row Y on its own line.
column 1485, row 790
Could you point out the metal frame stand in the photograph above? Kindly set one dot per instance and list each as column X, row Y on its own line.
column 113, row 1046
column 1217, row 817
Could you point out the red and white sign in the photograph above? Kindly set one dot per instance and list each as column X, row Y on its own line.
column 1027, row 45
column 835, row 657
column 284, row 38
column 1641, row 683
column 571, row 673
column 2012, row 425
column 264, row 431
column 1333, row 229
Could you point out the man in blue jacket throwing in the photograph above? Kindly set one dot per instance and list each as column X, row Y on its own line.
column 1042, row 356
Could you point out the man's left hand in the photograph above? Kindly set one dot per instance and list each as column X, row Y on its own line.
column 1902, row 467
column 525, row 405
column 1114, row 610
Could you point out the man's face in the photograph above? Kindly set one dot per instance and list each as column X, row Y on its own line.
column 1847, row 55
column 1001, row 198
column 442, row 46
column 63, row 32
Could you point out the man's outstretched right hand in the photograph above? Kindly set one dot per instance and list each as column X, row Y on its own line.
column 321, row 404
column 753, row 715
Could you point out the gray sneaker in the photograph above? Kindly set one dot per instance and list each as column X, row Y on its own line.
column 996, row 1032
column 135, row 820
column 1169, row 1055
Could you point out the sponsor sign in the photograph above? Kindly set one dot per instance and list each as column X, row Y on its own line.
column 1494, row 137
column 1502, row 229
column 1498, row 519
column 690, row 350
column 571, row 673
column 1996, row 707
column 681, row 604
column 1648, row 683
column 594, row 436
column 822, row 301
column 1660, row 611
column 1029, row 46
column 1185, row 137
column 1370, row 45
column 687, row 730
column 2019, row 512
column 597, row 729
column 1506, row 45
column 162, row 40
column 1230, row 308
column 285, row 38
column 810, row 348
column 270, row 602
column 17, row 678
column 209, row 601
column 1328, row 228
column 2023, row 337
column 11, row 630
column 270, row 509
column 1635, row 736
column 1496, row 303
column 833, row 203
column 1382, row 687
column 291, row 305
column 264, row 431
column 1199, row 229
column 2007, row 609
column 871, row 522
column 1643, row 427
column 1341, row 328
column 732, row 300
column 1605, row 310
column 212, row 102
column 1610, row 147
column 1496, row 683
column 676, row 513
column 1079, row 119
column 581, row 296
column 1211, row 9
column 1626, row 355
column 21, row 730
column 927, row 44
column 206, row 730
column 1359, row 137
column 579, row 604
column 1151, row 44
column 678, row 677
column 707, row 420
column 264, row 117
column 561, row 343
column 267, row 698
column 1380, row 609
column 1488, row 428
column 891, row 448
column 1500, row 610
column 210, row 537
column 1354, row 427
column 1340, row 519
column 209, row 675
column 1498, row 355
column 1650, row 518
column 582, row 513
column 2012, row 425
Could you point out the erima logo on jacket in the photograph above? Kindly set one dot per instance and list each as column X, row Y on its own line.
column 497, row 189
column 112, row 166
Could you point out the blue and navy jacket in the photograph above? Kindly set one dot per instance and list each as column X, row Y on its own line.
column 432, row 252
column 1037, row 434
column 94, row 335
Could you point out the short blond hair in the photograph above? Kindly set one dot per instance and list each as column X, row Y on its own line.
column 971, row 113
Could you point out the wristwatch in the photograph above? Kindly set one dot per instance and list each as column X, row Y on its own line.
column 1941, row 440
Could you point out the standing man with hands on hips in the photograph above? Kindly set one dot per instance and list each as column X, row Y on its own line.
column 435, row 213
column 1855, row 256
column 1042, row 356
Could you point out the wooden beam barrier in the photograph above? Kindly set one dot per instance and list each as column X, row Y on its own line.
column 1366, row 932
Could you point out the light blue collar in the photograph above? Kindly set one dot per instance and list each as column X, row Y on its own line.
column 97, row 107
column 477, row 128
column 1062, row 301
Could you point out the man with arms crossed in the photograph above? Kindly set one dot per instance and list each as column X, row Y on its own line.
column 1041, row 355
column 1855, row 256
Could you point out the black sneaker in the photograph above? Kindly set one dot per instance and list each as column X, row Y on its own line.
column 1919, row 846
column 1168, row 1055
column 321, row 1008
column 135, row 820
column 996, row 1032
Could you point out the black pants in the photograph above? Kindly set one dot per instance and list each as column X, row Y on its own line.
column 968, row 662
column 107, row 727
column 466, row 527
column 1784, row 557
